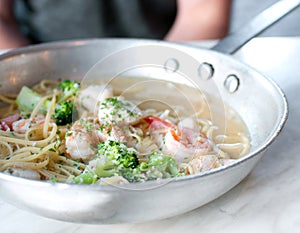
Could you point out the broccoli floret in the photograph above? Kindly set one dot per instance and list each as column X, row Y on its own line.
column 28, row 99
column 127, row 165
column 106, row 168
column 119, row 153
column 160, row 165
column 64, row 111
column 132, row 175
column 115, row 158
column 124, row 160
column 86, row 178
column 69, row 88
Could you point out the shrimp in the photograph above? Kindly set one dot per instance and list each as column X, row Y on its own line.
column 206, row 163
column 93, row 95
column 85, row 134
column 118, row 112
column 81, row 140
column 202, row 164
column 183, row 144
column 6, row 123
column 112, row 133
column 80, row 146
column 22, row 125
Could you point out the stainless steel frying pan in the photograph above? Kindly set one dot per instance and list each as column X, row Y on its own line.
column 257, row 99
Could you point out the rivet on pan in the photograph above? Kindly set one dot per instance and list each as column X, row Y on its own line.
column 206, row 71
column 171, row 65
column 232, row 83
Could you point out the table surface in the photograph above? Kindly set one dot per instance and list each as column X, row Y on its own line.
column 267, row 201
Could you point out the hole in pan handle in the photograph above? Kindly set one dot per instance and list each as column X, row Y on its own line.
column 234, row 41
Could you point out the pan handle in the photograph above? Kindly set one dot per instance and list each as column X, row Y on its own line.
column 231, row 43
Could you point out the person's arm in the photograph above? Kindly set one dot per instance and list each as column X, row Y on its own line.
column 10, row 36
column 200, row 19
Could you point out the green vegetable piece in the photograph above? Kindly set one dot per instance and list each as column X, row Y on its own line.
column 64, row 112
column 120, row 160
column 132, row 175
column 107, row 169
column 54, row 180
column 69, row 88
column 86, row 178
column 119, row 153
column 163, row 163
column 28, row 99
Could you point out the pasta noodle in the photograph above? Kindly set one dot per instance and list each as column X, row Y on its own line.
column 36, row 149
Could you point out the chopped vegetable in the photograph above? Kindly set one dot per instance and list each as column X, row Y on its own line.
column 86, row 178
column 123, row 160
column 115, row 158
column 28, row 99
column 69, row 88
column 119, row 153
column 160, row 165
column 64, row 112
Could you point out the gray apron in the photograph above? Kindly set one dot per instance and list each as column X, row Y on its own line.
column 49, row 20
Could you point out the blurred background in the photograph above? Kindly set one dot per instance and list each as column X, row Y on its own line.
column 24, row 22
column 244, row 10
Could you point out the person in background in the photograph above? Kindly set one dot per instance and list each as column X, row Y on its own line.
column 24, row 22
